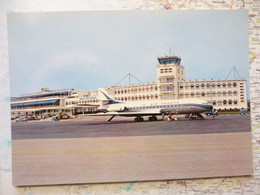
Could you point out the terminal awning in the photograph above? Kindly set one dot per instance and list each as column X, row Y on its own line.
column 36, row 103
column 44, row 95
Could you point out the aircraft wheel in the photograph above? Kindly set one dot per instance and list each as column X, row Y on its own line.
column 153, row 118
column 139, row 119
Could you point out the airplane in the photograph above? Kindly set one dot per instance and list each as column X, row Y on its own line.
column 191, row 107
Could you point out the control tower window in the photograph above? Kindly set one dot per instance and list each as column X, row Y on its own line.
column 169, row 60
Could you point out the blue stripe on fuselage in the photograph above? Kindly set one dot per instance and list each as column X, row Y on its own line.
column 113, row 102
column 200, row 105
column 106, row 95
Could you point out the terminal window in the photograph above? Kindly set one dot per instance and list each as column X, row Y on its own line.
column 169, row 79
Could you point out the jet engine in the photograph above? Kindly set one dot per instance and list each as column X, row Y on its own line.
column 117, row 108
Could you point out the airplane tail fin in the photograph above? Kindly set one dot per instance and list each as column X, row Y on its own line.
column 105, row 98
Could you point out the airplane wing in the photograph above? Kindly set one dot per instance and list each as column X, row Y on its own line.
column 127, row 113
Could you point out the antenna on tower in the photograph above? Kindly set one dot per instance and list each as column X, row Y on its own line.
column 129, row 75
column 235, row 72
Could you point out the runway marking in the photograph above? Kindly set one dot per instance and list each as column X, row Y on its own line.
column 127, row 149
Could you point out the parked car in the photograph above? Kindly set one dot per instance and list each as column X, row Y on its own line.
column 30, row 118
column 65, row 117
column 243, row 112
column 21, row 119
column 55, row 118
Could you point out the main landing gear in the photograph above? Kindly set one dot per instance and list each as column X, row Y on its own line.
column 139, row 119
column 152, row 118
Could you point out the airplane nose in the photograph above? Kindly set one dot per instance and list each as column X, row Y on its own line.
column 210, row 107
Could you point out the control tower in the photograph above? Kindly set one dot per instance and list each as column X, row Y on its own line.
column 169, row 74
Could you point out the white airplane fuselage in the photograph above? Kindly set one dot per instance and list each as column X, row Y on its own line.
column 180, row 106
column 151, row 108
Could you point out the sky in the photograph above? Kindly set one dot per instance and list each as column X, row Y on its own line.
column 92, row 49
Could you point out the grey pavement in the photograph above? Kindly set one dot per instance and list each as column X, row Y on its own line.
column 91, row 150
column 89, row 126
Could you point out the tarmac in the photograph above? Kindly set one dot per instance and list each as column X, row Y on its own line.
column 90, row 126
column 90, row 150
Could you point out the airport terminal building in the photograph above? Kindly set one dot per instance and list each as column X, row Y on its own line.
column 171, row 84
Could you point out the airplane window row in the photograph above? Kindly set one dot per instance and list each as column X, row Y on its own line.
column 151, row 107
